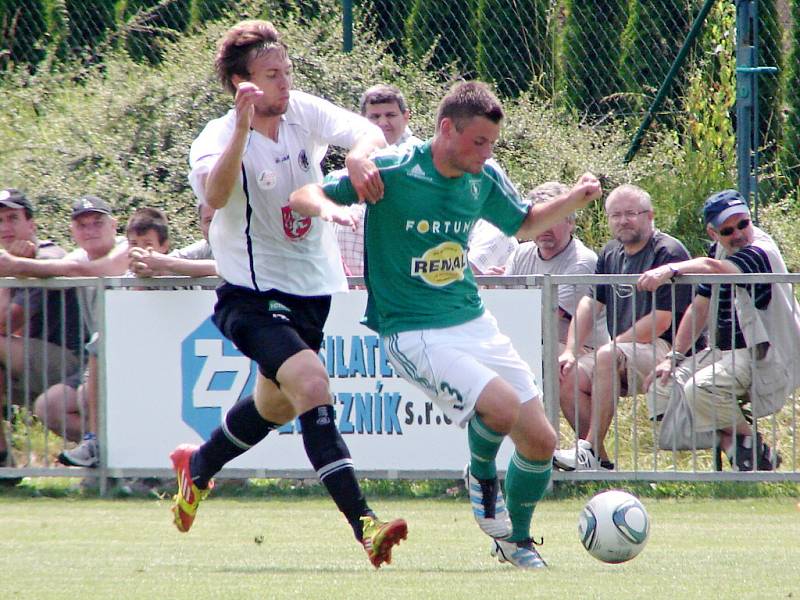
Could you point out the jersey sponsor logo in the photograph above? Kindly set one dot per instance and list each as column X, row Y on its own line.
column 295, row 225
column 302, row 160
column 440, row 265
column 438, row 227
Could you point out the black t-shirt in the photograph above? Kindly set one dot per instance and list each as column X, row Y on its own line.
column 624, row 303
column 751, row 259
column 53, row 314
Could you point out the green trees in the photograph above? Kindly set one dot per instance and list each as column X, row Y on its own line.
column 515, row 45
column 23, row 31
column 790, row 149
column 770, row 53
column 650, row 41
column 151, row 22
column 447, row 24
column 589, row 71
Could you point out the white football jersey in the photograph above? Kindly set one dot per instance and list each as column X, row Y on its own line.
column 258, row 241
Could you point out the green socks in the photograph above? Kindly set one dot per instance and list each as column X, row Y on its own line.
column 483, row 447
column 526, row 482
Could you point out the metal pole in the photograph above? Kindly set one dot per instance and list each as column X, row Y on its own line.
column 347, row 25
column 747, row 108
column 665, row 85
column 745, row 91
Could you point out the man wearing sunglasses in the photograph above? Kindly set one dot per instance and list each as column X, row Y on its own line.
column 752, row 363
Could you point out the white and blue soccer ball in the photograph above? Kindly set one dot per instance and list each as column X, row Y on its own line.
column 614, row 526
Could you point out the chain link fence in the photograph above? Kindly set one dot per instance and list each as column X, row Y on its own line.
column 594, row 57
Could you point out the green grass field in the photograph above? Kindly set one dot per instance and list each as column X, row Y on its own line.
column 301, row 548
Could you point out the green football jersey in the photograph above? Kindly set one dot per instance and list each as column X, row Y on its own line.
column 416, row 237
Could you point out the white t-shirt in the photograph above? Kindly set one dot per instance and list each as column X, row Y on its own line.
column 199, row 250
column 575, row 259
column 258, row 241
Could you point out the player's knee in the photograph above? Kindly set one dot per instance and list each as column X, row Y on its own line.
column 311, row 391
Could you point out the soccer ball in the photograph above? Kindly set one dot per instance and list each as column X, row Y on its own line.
column 614, row 526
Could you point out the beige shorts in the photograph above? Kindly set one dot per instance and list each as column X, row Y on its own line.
column 635, row 363
column 48, row 364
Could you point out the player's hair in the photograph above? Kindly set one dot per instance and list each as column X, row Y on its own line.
column 547, row 191
column 242, row 43
column 468, row 99
column 149, row 219
column 628, row 189
column 382, row 94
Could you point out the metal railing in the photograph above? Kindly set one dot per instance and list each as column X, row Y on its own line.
column 632, row 433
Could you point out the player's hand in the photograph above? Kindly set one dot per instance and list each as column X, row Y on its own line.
column 247, row 94
column 652, row 279
column 587, row 188
column 23, row 248
column 493, row 270
column 340, row 215
column 366, row 179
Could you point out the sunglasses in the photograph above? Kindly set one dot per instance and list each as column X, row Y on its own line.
column 726, row 231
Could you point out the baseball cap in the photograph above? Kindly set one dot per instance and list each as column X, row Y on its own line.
column 718, row 207
column 13, row 198
column 86, row 204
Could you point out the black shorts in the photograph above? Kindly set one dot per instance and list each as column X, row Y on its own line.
column 270, row 327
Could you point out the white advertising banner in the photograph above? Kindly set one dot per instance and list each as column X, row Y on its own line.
column 171, row 376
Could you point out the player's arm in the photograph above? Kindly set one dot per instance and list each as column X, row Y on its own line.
column 364, row 175
column 224, row 174
column 311, row 201
column 543, row 216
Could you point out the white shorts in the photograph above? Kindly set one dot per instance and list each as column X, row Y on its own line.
column 452, row 365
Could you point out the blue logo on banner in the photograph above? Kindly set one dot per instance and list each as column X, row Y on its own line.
column 214, row 375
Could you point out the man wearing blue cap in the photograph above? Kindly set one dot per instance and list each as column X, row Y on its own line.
column 751, row 364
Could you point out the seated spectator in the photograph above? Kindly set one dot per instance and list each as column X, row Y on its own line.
column 752, row 363
column 40, row 331
column 641, row 332
column 385, row 106
column 195, row 260
column 557, row 251
column 100, row 252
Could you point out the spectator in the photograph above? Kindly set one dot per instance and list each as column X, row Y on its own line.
column 38, row 344
column 757, row 325
column 385, row 106
column 430, row 317
column 641, row 333
column 67, row 408
column 556, row 251
column 195, row 260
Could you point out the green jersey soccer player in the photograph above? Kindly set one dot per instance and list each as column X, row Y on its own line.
column 424, row 302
